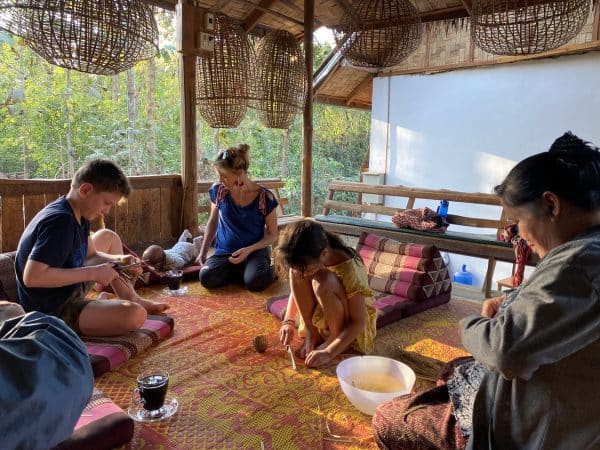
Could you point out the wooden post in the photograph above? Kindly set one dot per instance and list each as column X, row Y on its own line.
column 187, row 30
column 306, row 201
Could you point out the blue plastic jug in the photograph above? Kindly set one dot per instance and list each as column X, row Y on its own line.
column 463, row 276
column 442, row 209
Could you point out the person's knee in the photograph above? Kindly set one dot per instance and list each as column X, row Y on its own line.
column 210, row 278
column 325, row 283
column 258, row 283
column 259, row 279
column 134, row 317
column 107, row 240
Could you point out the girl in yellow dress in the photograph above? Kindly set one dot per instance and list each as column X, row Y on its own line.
column 330, row 290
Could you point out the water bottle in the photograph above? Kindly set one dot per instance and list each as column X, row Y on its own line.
column 442, row 209
column 463, row 276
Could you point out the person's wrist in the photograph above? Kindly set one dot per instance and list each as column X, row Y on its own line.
column 289, row 322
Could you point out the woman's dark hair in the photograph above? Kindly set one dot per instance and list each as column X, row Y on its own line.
column 301, row 243
column 570, row 169
column 233, row 159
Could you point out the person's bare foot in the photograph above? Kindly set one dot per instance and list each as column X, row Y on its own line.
column 152, row 307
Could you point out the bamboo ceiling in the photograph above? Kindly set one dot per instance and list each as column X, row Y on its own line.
column 446, row 44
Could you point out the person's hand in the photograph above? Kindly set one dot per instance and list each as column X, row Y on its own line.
column 286, row 332
column 239, row 256
column 105, row 273
column 201, row 259
column 491, row 306
column 318, row 358
column 130, row 259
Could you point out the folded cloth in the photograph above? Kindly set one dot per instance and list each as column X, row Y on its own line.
column 421, row 219
column 510, row 233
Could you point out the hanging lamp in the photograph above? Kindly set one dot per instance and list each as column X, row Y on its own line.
column 224, row 80
column 379, row 33
column 102, row 37
column 280, row 79
column 522, row 27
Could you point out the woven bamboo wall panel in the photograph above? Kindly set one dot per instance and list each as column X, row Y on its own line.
column 328, row 11
column 451, row 47
column 586, row 34
column 418, row 58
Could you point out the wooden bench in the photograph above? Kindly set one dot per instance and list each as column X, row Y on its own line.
column 483, row 245
column 273, row 184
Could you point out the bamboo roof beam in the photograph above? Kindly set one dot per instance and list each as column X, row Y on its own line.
column 274, row 13
column 468, row 4
column 454, row 12
column 254, row 17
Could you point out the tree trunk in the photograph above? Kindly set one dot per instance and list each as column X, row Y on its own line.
column 285, row 143
column 216, row 140
column 132, row 120
column 24, row 147
column 151, row 149
column 115, row 87
column 70, row 150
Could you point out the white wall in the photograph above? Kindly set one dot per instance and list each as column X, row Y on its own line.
column 464, row 130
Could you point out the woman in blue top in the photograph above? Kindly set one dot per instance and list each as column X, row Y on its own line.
column 244, row 221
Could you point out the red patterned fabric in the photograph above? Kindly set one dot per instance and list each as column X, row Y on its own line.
column 392, row 246
column 421, row 219
column 370, row 255
column 410, row 290
column 421, row 421
column 107, row 353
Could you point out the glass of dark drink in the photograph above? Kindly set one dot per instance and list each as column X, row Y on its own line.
column 151, row 390
column 150, row 401
column 174, row 279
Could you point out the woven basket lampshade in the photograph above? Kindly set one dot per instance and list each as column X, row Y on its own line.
column 102, row 37
column 225, row 79
column 522, row 27
column 280, row 79
column 379, row 33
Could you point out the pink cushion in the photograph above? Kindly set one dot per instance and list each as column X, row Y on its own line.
column 107, row 353
column 391, row 308
column 102, row 425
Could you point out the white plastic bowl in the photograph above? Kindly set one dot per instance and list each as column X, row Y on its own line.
column 361, row 368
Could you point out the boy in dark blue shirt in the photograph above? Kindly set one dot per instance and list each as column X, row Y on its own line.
column 57, row 260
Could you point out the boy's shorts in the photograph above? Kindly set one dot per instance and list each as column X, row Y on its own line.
column 71, row 309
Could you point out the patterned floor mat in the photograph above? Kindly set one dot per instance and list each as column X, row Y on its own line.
column 232, row 397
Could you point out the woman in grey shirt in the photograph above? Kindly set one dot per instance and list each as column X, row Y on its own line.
column 541, row 353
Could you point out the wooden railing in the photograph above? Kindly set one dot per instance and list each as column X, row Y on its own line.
column 151, row 214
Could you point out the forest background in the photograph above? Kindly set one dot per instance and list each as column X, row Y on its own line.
column 53, row 119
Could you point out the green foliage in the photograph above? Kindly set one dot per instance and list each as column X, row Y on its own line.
column 52, row 120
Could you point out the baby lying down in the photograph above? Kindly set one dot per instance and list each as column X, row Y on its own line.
column 180, row 255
